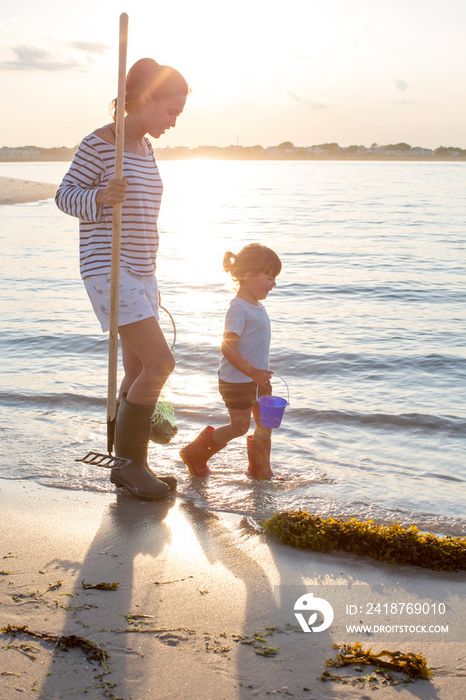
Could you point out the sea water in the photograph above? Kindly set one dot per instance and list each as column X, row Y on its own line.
column 368, row 336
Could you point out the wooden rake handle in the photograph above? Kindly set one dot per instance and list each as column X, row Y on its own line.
column 116, row 236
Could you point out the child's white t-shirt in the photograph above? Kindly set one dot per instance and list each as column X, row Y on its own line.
column 252, row 324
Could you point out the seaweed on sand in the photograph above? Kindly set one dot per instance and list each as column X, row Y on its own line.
column 413, row 665
column 92, row 650
column 101, row 586
column 391, row 543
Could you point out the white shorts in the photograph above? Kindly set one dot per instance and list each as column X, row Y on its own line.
column 138, row 298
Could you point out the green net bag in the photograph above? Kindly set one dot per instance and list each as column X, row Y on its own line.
column 163, row 422
column 164, row 426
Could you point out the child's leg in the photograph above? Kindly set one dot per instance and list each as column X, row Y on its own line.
column 259, row 446
column 199, row 451
column 260, row 433
column 212, row 440
column 240, row 419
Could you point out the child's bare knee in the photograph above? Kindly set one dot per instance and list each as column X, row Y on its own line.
column 241, row 427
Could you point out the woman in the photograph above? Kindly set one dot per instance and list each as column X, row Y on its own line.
column 155, row 98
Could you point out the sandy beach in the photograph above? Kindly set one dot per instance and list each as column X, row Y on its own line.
column 193, row 615
column 16, row 191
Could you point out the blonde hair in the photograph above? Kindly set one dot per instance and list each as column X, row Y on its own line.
column 251, row 260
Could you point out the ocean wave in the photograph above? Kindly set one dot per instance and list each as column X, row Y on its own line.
column 385, row 421
column 402, row 293
column 60, row 344
column 299, row 363
column 51, row 401
column 429, row 423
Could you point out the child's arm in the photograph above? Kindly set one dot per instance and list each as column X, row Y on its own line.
column 229, row 351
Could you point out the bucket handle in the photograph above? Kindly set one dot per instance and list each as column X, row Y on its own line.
column 277, row 376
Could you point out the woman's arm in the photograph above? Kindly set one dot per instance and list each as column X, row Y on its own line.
column 113, row 193
column 229, row 351
column 83, row 190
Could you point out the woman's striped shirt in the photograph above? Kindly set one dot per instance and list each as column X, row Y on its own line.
column 92, row 167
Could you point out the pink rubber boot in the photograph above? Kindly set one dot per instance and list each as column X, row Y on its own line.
column 259, row 458
column 196, row 454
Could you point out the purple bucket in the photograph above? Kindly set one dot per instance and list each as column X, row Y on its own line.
column 271, row 410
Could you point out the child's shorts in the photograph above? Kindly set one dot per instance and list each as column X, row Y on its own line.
column 138, row 298
column 242, row 395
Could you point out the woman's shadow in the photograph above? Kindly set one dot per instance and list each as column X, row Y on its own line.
column 130, row 529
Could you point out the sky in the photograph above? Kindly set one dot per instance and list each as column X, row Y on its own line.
column 261, row 72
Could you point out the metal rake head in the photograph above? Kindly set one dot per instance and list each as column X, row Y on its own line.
column 100, row 460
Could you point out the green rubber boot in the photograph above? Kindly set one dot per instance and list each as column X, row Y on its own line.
column 171, row 481
column 132, row 435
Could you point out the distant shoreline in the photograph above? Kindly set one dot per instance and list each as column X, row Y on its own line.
column 165, row 156
column 284, row 152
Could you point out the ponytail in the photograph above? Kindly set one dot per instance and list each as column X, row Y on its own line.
column 228, row 261
column 251, row 261
column 147, row 74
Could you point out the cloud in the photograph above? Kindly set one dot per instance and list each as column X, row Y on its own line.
column 90, row 47
column 401, row 84
column 307, row 102
column 31, row 58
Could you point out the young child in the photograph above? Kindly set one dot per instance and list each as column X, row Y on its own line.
column 243, row 372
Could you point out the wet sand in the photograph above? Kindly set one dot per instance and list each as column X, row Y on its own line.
column 193, row 614
column 16, row 191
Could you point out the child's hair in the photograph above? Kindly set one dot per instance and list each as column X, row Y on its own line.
column 251, row 260
column 147, row 74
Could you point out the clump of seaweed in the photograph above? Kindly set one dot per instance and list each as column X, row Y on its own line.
column 413, row 665
column 257, row 642
column 101, row 586
column 92, row 650
column 391, row 543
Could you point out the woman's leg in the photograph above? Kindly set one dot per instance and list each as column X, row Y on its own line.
column 132, row 366
column 147, row 361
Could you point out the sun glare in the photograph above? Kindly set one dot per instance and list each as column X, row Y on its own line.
column 184, row 542
column 202, row 218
